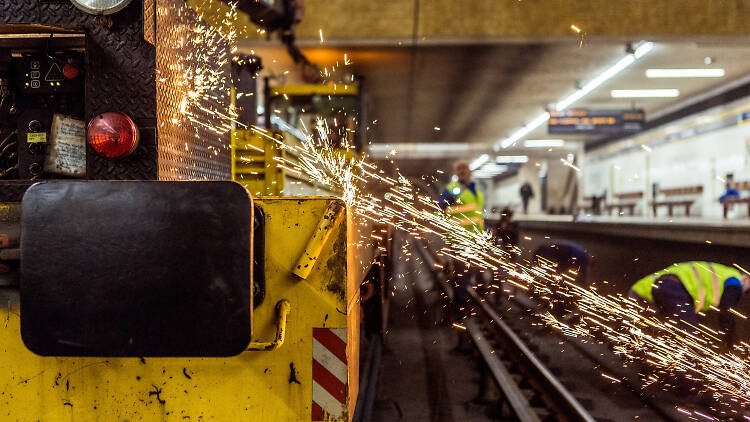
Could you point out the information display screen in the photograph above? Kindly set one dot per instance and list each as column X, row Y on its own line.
column 583, row 121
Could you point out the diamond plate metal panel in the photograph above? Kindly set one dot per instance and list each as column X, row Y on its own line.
column 194, row 73
column 120, row 75
column 149, row 21
column 12, row 191
column 179, row 139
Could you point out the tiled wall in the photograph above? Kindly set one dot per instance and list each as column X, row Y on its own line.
column 703, row 159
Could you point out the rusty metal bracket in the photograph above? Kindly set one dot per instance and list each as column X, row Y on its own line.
column 282, row 311
column 326, row 226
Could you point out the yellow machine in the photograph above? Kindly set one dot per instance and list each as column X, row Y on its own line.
column 301, row 364
column 298, row 351
column 293, row 112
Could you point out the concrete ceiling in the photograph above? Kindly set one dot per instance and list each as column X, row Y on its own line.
column 483, row 93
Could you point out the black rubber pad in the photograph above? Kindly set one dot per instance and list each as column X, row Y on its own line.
column 116, row 268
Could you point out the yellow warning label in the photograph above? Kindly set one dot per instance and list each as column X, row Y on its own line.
column 36, row 137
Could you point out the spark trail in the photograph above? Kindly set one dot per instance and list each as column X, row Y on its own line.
column 633, row 331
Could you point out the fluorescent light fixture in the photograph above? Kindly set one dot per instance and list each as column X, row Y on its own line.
column 437, row 147
column 478, row 162
column 618, row 67
column 643, row 48
column 422, row 150
column 544, row 143
column 685, row 73
column 512, row 139
column 489, row 170
column 508, row 159
column 645, row 93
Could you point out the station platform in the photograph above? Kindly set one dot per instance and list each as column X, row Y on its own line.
column 423, row 377
column 679, row 229
column 625, row 249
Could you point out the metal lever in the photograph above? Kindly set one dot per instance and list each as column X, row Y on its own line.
column 282, row 311
column 326, row 226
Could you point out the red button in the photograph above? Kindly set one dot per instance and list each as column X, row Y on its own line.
column 70, row 71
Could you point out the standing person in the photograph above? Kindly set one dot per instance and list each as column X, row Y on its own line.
column 464, row 203
column 682, row 290
column 526, row 193
column 506, row 232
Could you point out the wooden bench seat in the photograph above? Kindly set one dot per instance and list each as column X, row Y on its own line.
column 623, row 203
column 742, row 185
column 729, row 202
column 671, row 204
column 620, row 207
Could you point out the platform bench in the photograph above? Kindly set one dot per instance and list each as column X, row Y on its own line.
column 621, row 206
column 729, row 202
column 671, row 204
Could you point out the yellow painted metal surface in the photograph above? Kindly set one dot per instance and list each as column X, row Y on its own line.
column 253, row 386
column 253, row 163
column 315, row 89
column 326, row 226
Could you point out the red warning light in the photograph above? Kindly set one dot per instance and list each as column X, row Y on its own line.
column 113, row 135
column 70, row 71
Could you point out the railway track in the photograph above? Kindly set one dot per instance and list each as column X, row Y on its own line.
column 543, row 376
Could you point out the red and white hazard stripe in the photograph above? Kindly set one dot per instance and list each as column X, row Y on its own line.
column 329, row 373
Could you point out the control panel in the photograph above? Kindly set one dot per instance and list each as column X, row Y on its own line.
column 41, row 108
column 40, row 74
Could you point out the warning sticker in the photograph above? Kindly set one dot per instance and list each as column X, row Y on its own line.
column 54, row 74
column 66, row 152
column 36, row 137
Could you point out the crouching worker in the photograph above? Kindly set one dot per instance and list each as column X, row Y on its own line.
column 567, row 258
column 682, row 290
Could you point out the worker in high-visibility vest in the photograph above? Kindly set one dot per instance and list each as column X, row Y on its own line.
column 684, row 289
column 463, row 202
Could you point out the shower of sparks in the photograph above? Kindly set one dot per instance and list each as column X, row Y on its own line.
column 632, row 329
column 199, row 77
column 373, row 196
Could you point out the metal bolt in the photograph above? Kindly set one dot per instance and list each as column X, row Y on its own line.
column 35, row 168
column 36, row 148
column 35, row 126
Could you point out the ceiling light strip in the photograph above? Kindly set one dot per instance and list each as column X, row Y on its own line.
column 643, row 48
column 685, row 73
column 544, row 143
column 645, row 93
column 479, row 162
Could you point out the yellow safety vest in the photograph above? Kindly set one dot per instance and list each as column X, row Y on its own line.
column 468, row 209
column 703, row 280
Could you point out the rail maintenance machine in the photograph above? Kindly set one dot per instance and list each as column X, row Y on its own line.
column 137, row 281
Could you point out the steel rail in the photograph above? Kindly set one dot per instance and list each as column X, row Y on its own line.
column 554, row 393
column 512, row 393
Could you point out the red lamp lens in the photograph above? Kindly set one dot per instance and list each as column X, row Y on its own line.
column 113, row 135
